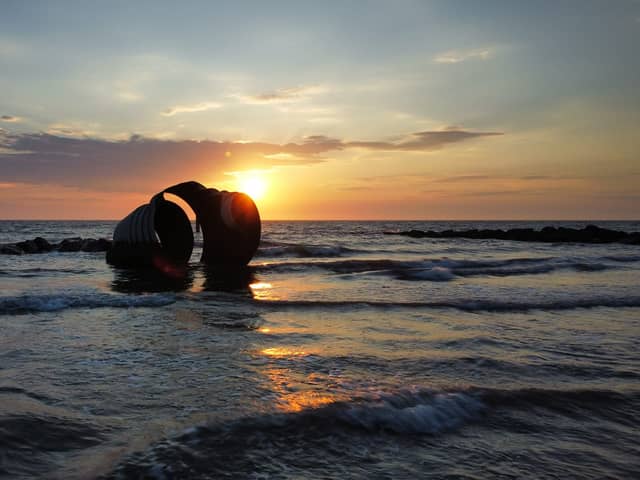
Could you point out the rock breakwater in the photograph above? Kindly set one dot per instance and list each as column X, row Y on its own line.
column 588, row 234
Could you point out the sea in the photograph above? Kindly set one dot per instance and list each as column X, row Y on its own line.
column 339, row 353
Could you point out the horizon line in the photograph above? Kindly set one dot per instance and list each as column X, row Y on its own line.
column 353, row 220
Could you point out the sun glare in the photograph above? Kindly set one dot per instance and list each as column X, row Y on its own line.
column 254, row 187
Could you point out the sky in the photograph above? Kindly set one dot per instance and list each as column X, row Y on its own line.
column 323, row 110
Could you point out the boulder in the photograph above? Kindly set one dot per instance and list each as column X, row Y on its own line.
column 70, row 245
column 11, row 250
column 28, row 246
column 42, row 244
column 93, row 245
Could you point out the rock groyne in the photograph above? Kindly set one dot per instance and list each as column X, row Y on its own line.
column 42, row 245
column 588, row 234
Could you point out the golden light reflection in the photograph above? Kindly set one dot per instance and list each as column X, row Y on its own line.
column 296, row 396
column 264, row 330
column 262, row 291
column 304, row 400
column 283, row 352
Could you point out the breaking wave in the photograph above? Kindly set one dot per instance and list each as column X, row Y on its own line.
column 309, row 439
column 27, row 303
column 444, row 269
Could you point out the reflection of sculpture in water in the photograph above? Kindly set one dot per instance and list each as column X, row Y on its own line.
column 145, row 280
column 159, row 234
column 141, row 280
column 221, row 279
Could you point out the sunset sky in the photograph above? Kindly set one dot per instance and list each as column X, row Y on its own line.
column 338, row 110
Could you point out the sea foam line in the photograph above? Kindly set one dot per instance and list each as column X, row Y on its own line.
column 60, row 301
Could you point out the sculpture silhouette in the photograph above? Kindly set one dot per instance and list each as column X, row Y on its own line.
column 159, row 233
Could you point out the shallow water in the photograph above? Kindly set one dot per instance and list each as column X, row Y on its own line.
column 340, row 353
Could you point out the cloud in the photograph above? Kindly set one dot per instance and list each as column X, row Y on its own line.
column 198, row 107
column 10, row 118
column 141, row 163
column 463, row 178
column 128, row 96
column 457, row 56
column 423, row 141
column 138, row 163
column 69, row 130
column 282, row 95
column 496, row 193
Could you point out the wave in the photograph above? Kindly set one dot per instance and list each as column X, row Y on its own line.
column 464, row 305
column 27, row 303
column 303, row 251
column 30, row 442
column 408, row 412
column 40, row 272
column 623, row 258
column 300, row 441
column 443, row 269
column 343, row 432
column 459, row 365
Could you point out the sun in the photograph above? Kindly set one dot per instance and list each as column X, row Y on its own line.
column 255, row 187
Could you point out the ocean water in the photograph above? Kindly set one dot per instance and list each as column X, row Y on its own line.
column 340, row 353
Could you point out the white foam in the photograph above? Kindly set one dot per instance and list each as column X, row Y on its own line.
column 61, row 301
column 431, row 415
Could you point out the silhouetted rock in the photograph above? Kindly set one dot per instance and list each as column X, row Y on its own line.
column 28, row 246
column 11, row 250
column 588, row 234
column 632, row 239
column 93, row 245
column 41, row 245
column 70, row 245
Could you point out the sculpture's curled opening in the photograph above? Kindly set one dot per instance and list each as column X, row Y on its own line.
column 173, row 229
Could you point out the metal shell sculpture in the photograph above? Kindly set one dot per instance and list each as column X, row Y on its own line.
column 159, row 233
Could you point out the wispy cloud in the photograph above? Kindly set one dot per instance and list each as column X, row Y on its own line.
column 423, row 141
column 71, row 130
column 457, row 56
column 462, row 178
column 282, row 95
column 198, row 107
column 128, row 96
column 10, row 118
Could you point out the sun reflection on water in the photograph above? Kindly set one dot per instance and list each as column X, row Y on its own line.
column 283, row 352
column 262, row 291
column 295, row 396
